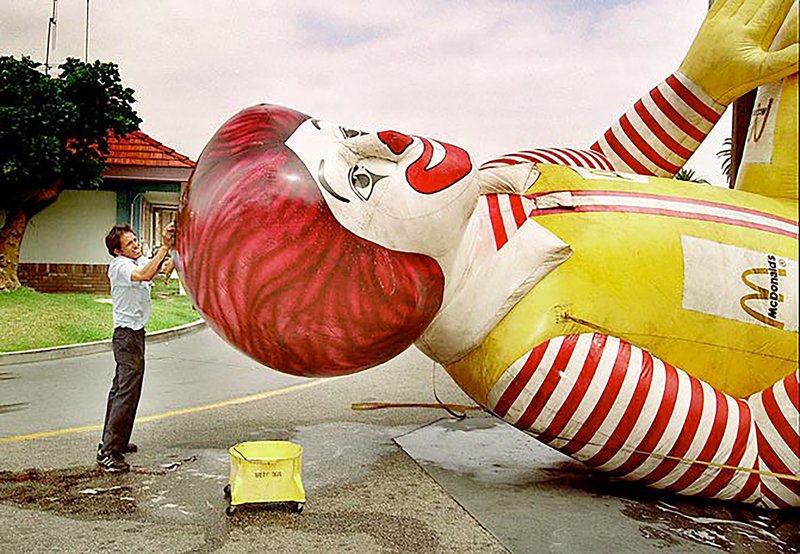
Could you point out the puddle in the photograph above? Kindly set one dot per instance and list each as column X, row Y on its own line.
column 342, row 452
column 728, row 527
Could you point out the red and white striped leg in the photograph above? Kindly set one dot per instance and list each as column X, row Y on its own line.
column 777, row 425
column 616, row 407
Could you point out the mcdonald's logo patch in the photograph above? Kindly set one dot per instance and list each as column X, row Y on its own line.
column 767, row 299
column 759, row 288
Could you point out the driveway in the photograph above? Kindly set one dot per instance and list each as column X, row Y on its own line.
column 400, row 480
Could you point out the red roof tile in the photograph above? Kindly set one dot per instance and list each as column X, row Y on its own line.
column 138, row 149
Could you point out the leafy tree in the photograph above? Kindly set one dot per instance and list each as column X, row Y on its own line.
column 689, row 175
column 53, row 136
column 726, row 156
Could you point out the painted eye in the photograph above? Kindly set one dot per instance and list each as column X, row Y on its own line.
column 351, row 133
column 363, row 181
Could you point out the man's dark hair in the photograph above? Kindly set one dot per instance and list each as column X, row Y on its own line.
column 114, row 236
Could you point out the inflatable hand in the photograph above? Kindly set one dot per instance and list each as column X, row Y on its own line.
column 769, row 161
column 730, row 55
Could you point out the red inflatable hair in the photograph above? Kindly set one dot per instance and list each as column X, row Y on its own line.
column 276, row 275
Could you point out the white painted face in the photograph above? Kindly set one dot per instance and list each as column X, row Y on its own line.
column 403, row 192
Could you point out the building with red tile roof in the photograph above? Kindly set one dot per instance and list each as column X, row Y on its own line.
column 139, row 149
column 137, row 156
column 141, row 187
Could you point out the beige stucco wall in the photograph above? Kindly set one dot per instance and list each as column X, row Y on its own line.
column 71, row 230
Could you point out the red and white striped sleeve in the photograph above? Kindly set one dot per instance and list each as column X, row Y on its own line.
column 662, row 130
column 620, row 409
column 654, row 137
column 589, row 159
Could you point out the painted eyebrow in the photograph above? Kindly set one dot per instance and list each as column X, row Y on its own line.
column 325, row 185
column 315, row 123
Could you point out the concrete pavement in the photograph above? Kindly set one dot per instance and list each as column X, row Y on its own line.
column 405, row 480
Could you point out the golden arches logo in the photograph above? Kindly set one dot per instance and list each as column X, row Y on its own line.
column 770, row 298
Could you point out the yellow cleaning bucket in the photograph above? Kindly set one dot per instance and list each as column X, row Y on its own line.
column 264, row 472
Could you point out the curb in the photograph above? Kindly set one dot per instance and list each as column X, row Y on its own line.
column 83, row 349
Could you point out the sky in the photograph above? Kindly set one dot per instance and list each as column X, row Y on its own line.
column 492, row 76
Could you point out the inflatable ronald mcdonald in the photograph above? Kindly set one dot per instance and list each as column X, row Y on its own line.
column 643, row 325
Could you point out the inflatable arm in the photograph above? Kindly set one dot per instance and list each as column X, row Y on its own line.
column 662, row 130
column 729, row 57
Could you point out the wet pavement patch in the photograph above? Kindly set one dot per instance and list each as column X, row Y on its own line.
column 727, row 527
column 90, row 493
column 671, row 519
column 186, row 489
column 77, row 492
column 535, row 499
column 178, row 488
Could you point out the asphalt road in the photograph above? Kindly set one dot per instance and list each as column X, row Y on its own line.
column 400, row 480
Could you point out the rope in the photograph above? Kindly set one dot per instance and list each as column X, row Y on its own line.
column 444, row 406
column 440, row 405
column 458, row 411
column 679, row 459
column 453, row 410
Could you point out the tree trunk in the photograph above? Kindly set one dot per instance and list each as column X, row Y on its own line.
column 17, row 217
column 10, row 240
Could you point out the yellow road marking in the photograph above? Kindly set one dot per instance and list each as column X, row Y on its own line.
column 171, row 413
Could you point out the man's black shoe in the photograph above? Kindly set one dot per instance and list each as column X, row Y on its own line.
column 130, row 449
column 112, row 463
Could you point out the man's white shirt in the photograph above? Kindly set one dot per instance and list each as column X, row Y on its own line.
column 131, row 298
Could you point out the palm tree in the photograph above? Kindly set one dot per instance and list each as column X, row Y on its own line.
column 725, row 155
column 689, row 175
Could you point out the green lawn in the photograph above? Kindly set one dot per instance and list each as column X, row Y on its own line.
column 29, row 319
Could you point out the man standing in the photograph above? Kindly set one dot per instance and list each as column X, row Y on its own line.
column 131, row 276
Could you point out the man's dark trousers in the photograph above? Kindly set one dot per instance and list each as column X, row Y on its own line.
column 126, row 389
